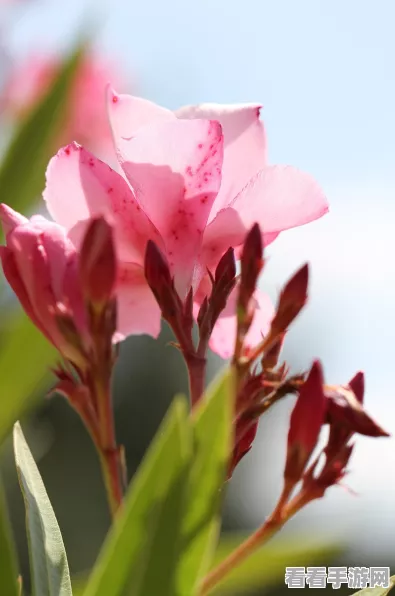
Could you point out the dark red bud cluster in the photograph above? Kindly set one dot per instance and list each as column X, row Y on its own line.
column 317, row 405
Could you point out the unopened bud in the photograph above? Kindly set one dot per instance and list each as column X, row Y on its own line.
column 292, row 299
column 226, row 268
column 97, row 263
column 357, row 386
column 306, row 420
column 157, row 274
column 251, row 265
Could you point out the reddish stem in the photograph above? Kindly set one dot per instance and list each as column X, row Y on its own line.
column 281, row 514
column 113, row 465
column 196, row 366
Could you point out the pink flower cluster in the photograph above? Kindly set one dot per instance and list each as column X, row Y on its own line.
column 192, row 181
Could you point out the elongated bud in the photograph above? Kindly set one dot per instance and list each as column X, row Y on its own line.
column 226, row 268
column 157, row 274
column 292, row 299
column 306, row 420
column 97, row 263
column 251, row 265
column 224, row 282
column 357, row 386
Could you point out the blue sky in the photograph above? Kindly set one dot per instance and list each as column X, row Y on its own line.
column 324, row 71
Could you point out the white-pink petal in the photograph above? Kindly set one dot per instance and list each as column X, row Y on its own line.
column 244, row 145
column 174, row 168
column 128, row 113
column 80, row 186
column 278, row 198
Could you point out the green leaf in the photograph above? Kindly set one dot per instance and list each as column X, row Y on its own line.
column 23, row 167
column 212, row 443
column 266, row 567
column 141, row 552
column 376, row 591
column 8, row 573
column 25, row 356
column 48, row 561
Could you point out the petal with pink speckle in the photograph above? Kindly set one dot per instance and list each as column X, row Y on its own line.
column 278, row 198
column 244, row 145
column 174, row 168
column 80, row 186
column 128, row 113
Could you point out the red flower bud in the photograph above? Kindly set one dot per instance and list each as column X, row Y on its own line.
column 157, row 274
column 226, row 268
column 292, row 300
column 357, row 386
column 251, row 265
column 97, row 263
column 305, row 424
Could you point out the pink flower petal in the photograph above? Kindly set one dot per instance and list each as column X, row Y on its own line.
column 278, row 198
column 80, row 186
column 174, row 168
column 32, row 263
column 13, row 277
column 244, row 145
column 223, row 338
column 138, row 311
column 128, row 113
column 10, row 218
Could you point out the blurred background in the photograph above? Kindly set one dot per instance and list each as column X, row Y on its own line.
column 324, row 72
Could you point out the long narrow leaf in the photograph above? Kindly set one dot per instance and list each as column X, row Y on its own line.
column 49, row 567
column 140, row 555
column 212, row 443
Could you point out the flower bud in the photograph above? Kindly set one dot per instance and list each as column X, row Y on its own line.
column 157, row 274
column 305, row 424
column 251, row 265
column 292, row 300
column 357, row 386
column 97, row 263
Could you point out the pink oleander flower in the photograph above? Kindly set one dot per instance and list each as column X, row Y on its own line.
column 87, row 121
column 194, row 182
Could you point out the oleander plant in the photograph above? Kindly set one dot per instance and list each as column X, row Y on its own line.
column 173, row 228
